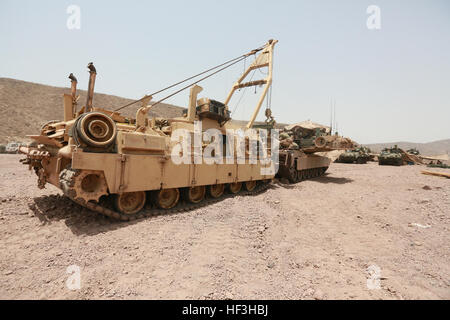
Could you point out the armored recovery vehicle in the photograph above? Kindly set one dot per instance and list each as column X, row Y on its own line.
column 124, row 167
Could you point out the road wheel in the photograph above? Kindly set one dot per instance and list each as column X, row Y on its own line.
column 216, row 190
column 166, row 198
column 293, row 175
column 195, row 194
column 130, row 202
column 250, row 185
column 235, row 187
column 361, row 160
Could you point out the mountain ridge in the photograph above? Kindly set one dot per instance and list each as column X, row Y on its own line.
column 25, row 106
column 437, row 147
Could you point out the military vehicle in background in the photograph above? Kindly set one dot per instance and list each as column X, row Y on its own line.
column 12, row 147
column 358, row 155
column 122, row 167
column 438, row 164
column 391, row 156
column 413, row 151
column 298, row 144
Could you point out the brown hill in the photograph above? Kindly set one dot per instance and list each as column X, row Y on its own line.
column 429, row 149
column 26, row 106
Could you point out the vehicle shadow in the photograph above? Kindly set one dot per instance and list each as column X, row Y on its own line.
column 327, row 179
column 284, row 183
column 80, row 220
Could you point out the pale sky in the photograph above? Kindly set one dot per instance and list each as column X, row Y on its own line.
column 389, row 84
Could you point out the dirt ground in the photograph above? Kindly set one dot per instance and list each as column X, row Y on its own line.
column 318, row 239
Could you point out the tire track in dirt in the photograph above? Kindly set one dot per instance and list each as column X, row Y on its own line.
column 313, row 240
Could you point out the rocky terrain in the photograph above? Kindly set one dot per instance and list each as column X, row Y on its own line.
column 360, row 232
column 26, row 106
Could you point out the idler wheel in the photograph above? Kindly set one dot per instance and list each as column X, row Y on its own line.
column 166, row 198
column 235, row 187
column 195, row 194
column 130, row 202
column 215, row 191
column 250, row 185
column 96, row 129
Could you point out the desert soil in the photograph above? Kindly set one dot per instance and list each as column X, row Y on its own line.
column 318, row 239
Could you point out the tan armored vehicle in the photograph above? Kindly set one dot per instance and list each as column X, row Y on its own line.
column 125, row 168
column 299, row 144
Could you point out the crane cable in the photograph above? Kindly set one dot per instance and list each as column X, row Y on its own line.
column 227, row 64
column 191, row 84
column 242, row 95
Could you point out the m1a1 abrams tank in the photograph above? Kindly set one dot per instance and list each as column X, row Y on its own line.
column 299, row 143
column 391, row 156
column 127, row 168
column 358, row 155
column 438, row 164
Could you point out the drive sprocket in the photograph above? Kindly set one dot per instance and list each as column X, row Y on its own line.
column 89, row 185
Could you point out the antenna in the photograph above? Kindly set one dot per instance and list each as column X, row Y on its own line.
column 331, row 115
column 334, row 115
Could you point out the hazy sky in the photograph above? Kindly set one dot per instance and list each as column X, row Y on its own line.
column 389, row 84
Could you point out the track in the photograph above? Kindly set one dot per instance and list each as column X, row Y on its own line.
column 295, row 176
column 106, row 208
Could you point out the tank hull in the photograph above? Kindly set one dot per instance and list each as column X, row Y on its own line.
column 296, row 166
column 130, row 173
column 390, row 161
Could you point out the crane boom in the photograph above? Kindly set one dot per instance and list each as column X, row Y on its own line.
column 264, row 59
